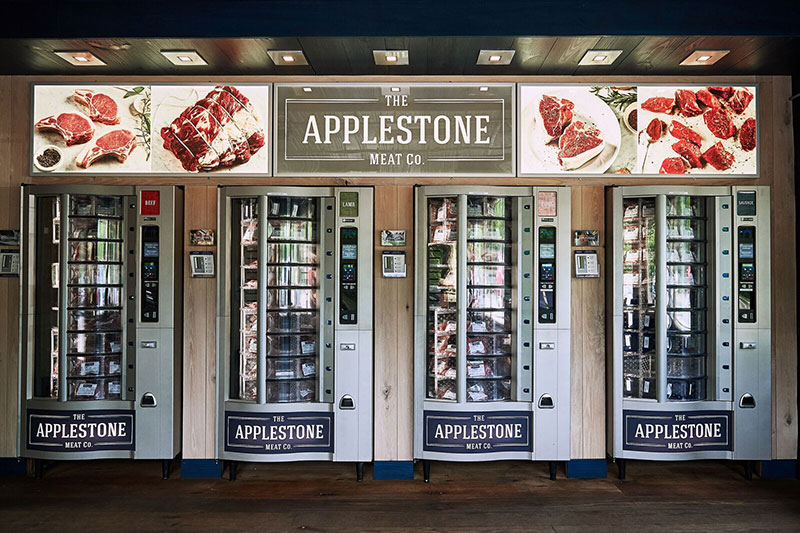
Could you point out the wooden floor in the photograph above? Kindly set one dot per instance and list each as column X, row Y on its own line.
column 502, row 496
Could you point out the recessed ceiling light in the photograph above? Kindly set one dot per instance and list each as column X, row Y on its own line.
column 395, row 89
column 483, row 89
column 600, row 57
column 390, row 57
column 80, row 58
column 704, row 57
column 306, row 89
column 184, row 58
column 287, row 57
column 495, row 57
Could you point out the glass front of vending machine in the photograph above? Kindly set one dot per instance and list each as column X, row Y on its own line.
column 295, row 316
column 689, row 335
column 101, row 322
column 492, row 324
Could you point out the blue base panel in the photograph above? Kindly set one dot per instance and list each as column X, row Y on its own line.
column 393, row 470
column 200, row 468
column 587, row 468
column 779, row 469
column 12, row 466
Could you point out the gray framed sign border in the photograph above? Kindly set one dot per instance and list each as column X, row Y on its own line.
column 696, row 82
column 514, row 132
column 200, row 175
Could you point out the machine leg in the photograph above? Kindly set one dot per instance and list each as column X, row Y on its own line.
column 621, row 468
column 360, row 471
column 232, row 470
column 38, row 468
column 426, row 470
column 552, row 470
column 748, row 470
column 165, row 464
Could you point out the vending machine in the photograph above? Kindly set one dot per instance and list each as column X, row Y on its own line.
column 689, row 329
column 295, row 325
column 492, row 324
column 100, row 317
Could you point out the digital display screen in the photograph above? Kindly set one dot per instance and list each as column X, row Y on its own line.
column 547, row 272
column 350, row 252
column 150, row 249
column 349, row 234
column 547, row 251
column 547, row 234
column 746, row 250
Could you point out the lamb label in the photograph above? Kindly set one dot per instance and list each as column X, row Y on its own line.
column 485, row 432
column 268, row 433
column 675, row 432
column 80, row 431
column 407, row 129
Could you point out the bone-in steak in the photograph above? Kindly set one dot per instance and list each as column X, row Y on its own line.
column 578, row 145
column 673, row 165
column 117, row 143
column 99, row 106
column 656, row 129
column 679, row 131
column 747, row 134
column 75, row 127
column 719, row 123
column 690, row 152
column 659, row 104
column 555, row 114
column 718, row 157
column 687, row 103
column 740, row 100
column 219, row 130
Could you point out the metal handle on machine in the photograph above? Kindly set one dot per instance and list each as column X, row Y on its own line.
column 546, row 402
column 747, row 345
column 747, row 401
column 347, row 402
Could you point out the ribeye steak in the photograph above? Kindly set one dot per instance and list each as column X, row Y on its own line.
column 118, row 143
column 690, row 152
column 578, row 145
column 659, row 104
column 219, row 130
column 687, row 103
column 555, row 114
column 673, row 165
column 718, row 157
column 75, row 127
column 679, row 131
column 747, row 134
column 100, row 107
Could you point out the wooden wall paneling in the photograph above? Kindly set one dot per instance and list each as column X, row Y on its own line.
column 576, row 343
column 405, row 328
column 385, row 334
column 199, row 326
column 211, row 329
column 784, row 276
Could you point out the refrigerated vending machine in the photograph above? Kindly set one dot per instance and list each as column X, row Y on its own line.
column 689, row 335
column 492, row 324
column 101, row 323
column 295, row 321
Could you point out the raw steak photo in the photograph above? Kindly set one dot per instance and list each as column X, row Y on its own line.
column 578, row 145
column 99, row 106
column 740, row 100
column 656, row 129
column 719, row 123
column 555, row 114
column 220, row 130
column 659, row 104
column 718, row 157
column 117, row 143
column 673, row 165
column 679, row 131
column 705, row 96
column 747, row 135
column 687, row 103
column 690, row 152
column 75, row 127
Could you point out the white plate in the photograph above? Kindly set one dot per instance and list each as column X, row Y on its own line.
column 41, row 150
column 542, row 158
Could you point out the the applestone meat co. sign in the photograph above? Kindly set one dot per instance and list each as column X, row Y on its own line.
column 418, row 129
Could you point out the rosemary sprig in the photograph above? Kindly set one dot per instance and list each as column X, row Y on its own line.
column 143, row 131
column 615, row 98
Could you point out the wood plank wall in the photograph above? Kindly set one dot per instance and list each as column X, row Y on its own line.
column 394, row 297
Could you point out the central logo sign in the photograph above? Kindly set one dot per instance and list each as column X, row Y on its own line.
column 423, row 129
column 483, row 432
column 270, row 433
column 670, row 432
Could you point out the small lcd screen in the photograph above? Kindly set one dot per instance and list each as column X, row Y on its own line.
column 746, row 250
column 350, row 252
column 150, row 249
column 547, row 234
column 349, row 234
column 547, row 251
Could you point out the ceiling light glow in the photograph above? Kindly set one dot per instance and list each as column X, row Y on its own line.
column 599, row 57
column 288, row 59
column 703, row 58
column 306, row 89
column 494, row 59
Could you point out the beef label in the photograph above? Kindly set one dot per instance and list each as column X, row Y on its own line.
column 80, row 430
column 478, row 432
column 675, row 432
column 273, row 433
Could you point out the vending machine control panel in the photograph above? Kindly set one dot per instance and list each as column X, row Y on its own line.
column 149, row 274
column 348, row 282
column 547, row 275
column 747, row 273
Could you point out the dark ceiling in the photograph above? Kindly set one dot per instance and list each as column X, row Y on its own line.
column 648, row 55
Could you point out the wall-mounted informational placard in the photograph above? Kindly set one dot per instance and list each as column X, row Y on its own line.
column 150, row 129
column 643, row 130
column 404, row 129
